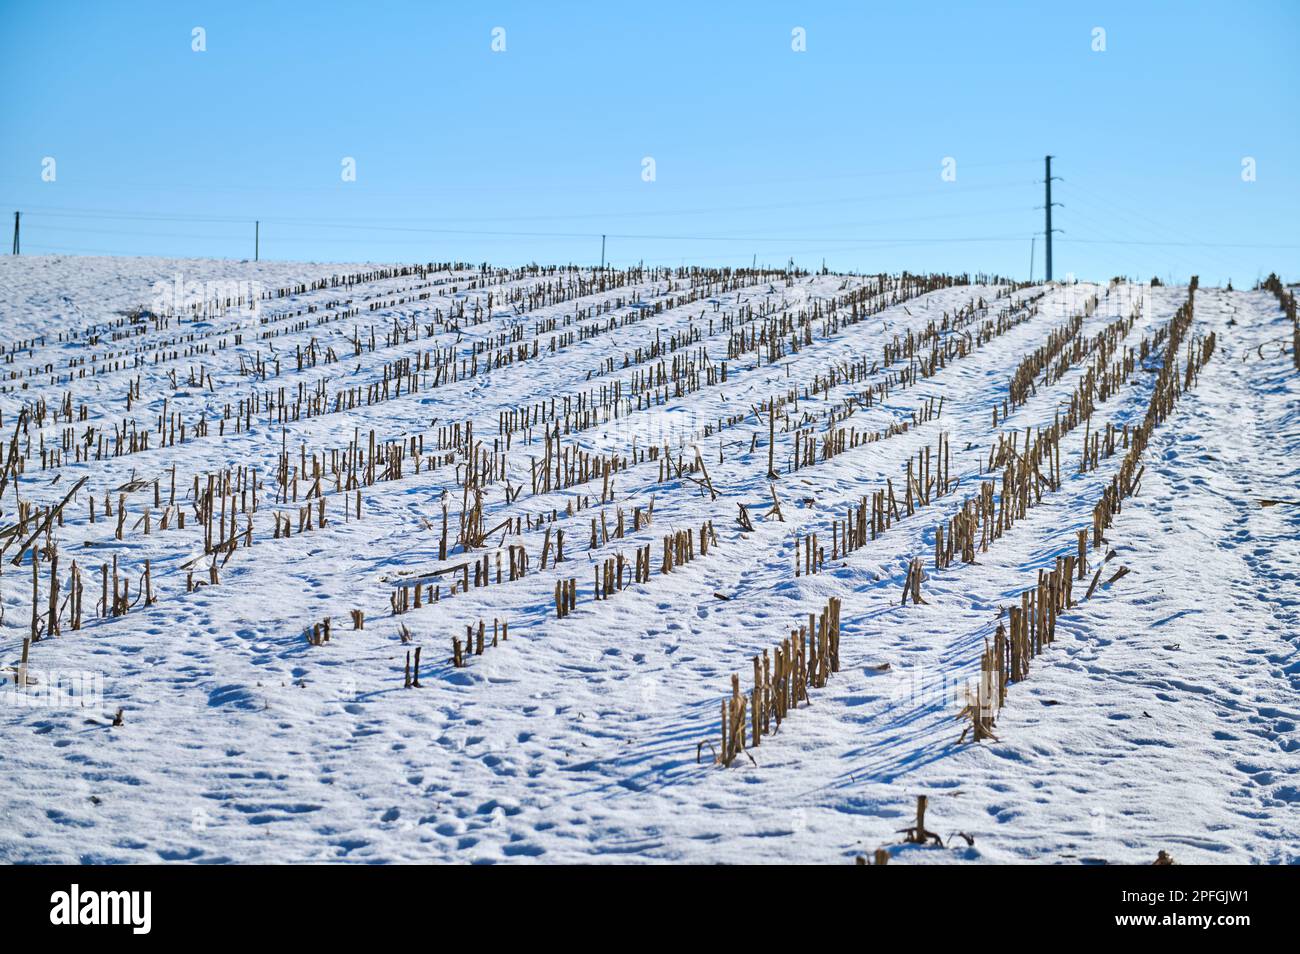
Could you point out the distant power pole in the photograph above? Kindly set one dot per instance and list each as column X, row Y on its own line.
column 17, row 246
column 1048, row 230
column 1033, row 239
column 257, row 240
column 602, row 253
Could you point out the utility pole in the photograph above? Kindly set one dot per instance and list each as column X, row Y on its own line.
column 1048, row 230
column 257, row 239
column 1033, row 239
column 602, row 253
column 17, row 246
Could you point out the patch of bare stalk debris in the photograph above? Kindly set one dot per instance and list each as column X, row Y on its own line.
column 1031, row 626
column 518, row 502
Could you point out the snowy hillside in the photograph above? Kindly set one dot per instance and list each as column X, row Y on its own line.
column 620, row 474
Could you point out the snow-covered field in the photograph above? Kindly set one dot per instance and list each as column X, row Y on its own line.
column 1163, row 717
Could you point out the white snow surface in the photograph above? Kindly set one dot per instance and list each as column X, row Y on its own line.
column 1163, row 717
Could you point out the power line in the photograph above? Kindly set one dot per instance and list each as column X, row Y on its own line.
column 523, row 233
column 1080, row 217
column 419, row 226
column 74, row 212
column 1107, row 241
column 1111, row 213
column 1172, row 228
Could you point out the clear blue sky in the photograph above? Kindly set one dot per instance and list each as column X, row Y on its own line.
column 834, row 153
